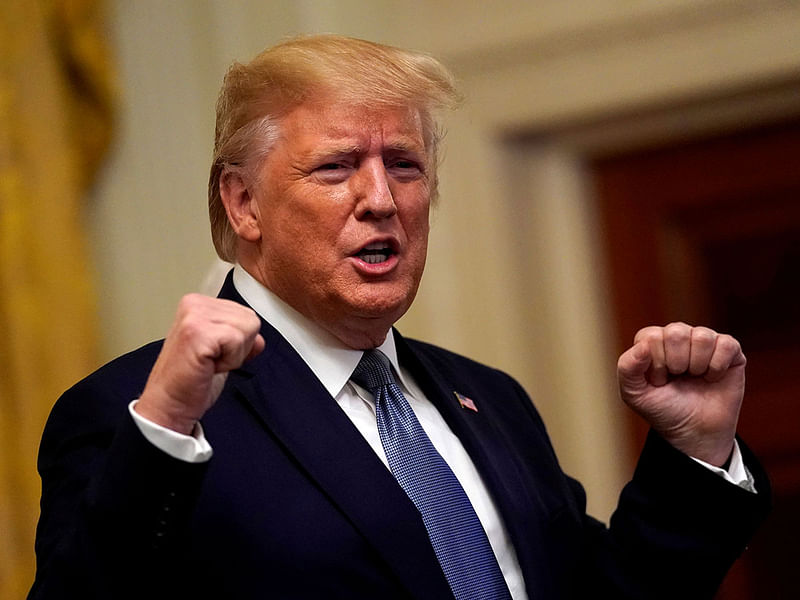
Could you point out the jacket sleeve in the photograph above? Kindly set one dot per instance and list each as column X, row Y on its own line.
column 678, row 527
column 115, row 510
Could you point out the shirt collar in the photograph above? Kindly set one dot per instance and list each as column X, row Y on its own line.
column 330, row 360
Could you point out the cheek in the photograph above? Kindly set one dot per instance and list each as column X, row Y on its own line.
column 308, row 220
column 418, row 224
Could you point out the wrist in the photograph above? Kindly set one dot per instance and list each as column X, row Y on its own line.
column 154, row 412
column 713, row 452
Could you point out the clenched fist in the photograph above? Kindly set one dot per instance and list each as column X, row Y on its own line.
column 208, row 338
column 688, row 383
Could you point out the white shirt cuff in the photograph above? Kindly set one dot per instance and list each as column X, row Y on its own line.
column 189, row 448
column 737, row 472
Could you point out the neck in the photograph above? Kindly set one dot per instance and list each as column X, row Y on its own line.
column 355, row 332
column 362, row 336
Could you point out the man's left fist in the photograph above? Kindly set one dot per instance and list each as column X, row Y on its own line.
column 688, row 383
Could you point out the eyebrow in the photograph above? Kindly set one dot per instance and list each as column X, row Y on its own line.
column 318, row 153
column 402, row 145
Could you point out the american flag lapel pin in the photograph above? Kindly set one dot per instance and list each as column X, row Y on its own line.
column 465, row 402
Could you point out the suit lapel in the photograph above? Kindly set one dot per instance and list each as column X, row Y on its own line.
column 493, row 457
column 301, row 414
column 516, row 494
column 290, row 401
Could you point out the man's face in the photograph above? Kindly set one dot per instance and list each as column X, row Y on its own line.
column 343, row 214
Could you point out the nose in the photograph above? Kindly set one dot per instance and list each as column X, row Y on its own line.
column 373, row 193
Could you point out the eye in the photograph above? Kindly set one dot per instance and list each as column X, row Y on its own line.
column 333, row 172
column 405, row 164
column 404, row 168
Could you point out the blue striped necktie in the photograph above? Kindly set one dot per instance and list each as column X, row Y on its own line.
column 456, row 534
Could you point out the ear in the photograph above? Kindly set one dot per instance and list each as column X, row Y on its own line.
column 240, row 205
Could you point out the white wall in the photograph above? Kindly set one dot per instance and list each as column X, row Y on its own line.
column 515, row 276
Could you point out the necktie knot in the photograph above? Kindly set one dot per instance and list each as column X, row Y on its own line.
column 373, row 371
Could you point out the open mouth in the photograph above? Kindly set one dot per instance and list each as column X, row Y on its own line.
column 375, row 253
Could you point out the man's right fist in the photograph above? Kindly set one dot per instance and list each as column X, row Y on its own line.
column 208, row 338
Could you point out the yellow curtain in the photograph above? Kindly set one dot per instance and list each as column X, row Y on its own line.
column 55, row 122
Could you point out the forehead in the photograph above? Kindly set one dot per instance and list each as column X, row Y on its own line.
column 318, row 124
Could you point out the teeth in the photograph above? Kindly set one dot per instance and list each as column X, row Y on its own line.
column 376, row 246
column 375, row 252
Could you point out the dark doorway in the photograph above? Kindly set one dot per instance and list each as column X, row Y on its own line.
column 708, row 232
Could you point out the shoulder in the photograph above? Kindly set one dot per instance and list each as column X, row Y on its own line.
column 468, row 376
column 496, row 392
column 124, row 374
column 100, row 399
column 456, row 365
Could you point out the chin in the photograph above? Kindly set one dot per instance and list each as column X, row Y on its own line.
column 390, row 306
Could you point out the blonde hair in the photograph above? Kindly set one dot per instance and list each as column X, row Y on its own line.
column 254, row 97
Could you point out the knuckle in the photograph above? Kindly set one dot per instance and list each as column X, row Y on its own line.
column 728, row 344
column 189, row 305
column 254, row 321
column 648, row 334
column 230, row 335
column 675, row 324
column 190, row 300
column 676, row 331
column 703, row 336
column 190, row 327
column 240, row 337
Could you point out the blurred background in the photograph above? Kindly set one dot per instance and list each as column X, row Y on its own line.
column 617, row 163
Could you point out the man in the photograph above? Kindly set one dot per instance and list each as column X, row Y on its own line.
column 320, row 482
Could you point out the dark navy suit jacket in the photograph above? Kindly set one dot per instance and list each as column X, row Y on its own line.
column 295, row 504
